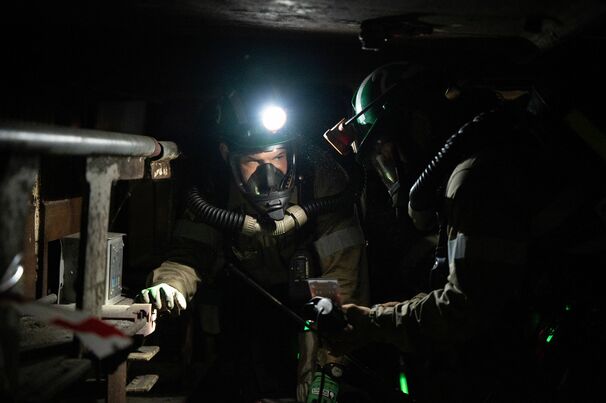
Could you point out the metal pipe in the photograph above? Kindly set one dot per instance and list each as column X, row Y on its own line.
column 253, row 284
column 170, row 151
column 48, row 139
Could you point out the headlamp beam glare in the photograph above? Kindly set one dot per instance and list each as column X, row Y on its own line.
column 273, row 118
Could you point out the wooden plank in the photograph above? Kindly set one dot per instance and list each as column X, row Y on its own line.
column 116, row 385
column 61, row 218
column 29, row 262
column 44, row 271
column 37, row 334
column 142, row 383
column 144, row 353
column 45, row 380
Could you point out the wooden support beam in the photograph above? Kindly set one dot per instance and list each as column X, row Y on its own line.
column 61, row 218
column 116, row 385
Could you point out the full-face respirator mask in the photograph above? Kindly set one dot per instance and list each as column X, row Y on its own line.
column 269, row 187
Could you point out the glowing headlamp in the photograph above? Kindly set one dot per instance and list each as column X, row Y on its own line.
column 273, row 118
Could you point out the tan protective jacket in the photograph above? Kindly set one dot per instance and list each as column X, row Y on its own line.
column 487, row 249
column 336, row 239
column 475, row 321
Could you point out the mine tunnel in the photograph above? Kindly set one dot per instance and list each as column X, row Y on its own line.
column 302, row 201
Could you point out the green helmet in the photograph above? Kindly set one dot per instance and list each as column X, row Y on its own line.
column 378, row 90
column 382, row 104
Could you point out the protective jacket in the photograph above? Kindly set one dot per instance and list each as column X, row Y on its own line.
column 334, row 242
column 476, row 322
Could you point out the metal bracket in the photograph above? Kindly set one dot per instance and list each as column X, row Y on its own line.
column 101, row 172
column 160, row 167
column 134, row 312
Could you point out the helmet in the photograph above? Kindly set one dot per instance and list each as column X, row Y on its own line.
column 256, row 131
column 380, row 106
column 376, row 94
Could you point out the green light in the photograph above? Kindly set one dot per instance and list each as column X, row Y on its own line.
column 298, row 356
column 307, row 327
column 550, row 332
column 568, row 308
column 403, row 383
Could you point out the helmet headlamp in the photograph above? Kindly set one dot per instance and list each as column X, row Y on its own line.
column 273, row 118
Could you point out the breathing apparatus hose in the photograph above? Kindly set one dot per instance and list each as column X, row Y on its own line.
column 295, row 217
column 467, row 140
column 329, row 204
column 226, row 220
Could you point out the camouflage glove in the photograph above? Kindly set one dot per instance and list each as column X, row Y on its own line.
column 164, row 296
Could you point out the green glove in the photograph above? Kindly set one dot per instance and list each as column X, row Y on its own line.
column 164, row 296
column 328, row 381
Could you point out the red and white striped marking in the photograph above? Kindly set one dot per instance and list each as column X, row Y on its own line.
column 99, row 337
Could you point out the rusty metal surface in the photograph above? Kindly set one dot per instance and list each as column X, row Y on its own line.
column 134, row 319
column 101, row 172
column 16, row 183
column 112, row 156
column 30, row 246
column 170, row 151
column 48, row 139
column 129, row 328
column 128, row 167
column 143, row 313
column 18, row 175
column 160, row 167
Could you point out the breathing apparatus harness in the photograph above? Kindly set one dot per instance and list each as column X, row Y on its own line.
column 424, row 200
column 294, row 218
column 245, row 131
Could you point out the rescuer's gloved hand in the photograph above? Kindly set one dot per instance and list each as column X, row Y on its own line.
column 164, row 296
column 356, row 334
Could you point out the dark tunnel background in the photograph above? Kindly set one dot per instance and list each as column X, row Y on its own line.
column 132, row 74
column 135, row 75
column 160, row 75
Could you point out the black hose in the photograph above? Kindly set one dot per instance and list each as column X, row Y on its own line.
column 325, row 204
column 232, row 221
column 333, row 203
column 468, row 140
column 222, row 219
